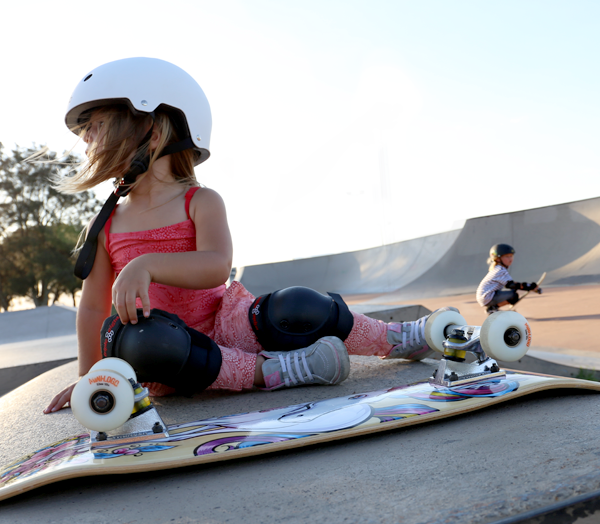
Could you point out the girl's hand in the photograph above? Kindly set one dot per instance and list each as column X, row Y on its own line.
column 133, row 282
column 59, row 401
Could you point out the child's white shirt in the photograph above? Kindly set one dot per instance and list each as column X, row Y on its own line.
column 496, row 279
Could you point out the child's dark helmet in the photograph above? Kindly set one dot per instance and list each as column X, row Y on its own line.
column 500, row 250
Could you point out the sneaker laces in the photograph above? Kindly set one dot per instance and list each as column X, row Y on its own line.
column 286, row 366
column 417, row 327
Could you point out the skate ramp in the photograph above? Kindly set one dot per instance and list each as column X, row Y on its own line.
column 375, row 270
column 34, row 341
column 22, row 361
column 562, row 240
column 33, row 324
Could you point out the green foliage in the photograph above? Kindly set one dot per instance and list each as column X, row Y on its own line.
column 587, row 374
column 28, row 199
column 39, row 228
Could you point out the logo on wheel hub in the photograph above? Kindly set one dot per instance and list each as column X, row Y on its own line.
column 105, row 379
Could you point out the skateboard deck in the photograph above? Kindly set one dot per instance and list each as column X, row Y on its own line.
column 514, row 306
column 254, row 433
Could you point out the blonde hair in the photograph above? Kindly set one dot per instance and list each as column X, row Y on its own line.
column 492, row 262
column 123, row 132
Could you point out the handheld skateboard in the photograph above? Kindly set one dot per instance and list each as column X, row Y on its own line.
column 538, row 290
column 127, row 434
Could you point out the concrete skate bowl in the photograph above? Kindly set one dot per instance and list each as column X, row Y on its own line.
column 33, row 341
column 562, row 240
column 34, row 324
column 376, row 270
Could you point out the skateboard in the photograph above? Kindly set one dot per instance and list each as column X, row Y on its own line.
column 144, row 443
column 538, row 291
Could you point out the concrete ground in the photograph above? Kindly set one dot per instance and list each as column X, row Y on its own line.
column 477, row 468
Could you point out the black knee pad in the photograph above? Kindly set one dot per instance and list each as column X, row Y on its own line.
column 296, row 317
column 514, row 298
column 161, row 348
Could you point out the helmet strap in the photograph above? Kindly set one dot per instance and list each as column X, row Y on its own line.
column 139, row 164
column 177, row 147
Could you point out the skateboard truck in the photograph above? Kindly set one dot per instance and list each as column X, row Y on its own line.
column 111, row 403
column 144, row 423
column 453, row 370
column 505, row 336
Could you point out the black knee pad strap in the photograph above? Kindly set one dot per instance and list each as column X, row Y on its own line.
column 162, row 348
column 296, row 317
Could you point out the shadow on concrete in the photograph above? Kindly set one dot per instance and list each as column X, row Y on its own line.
column 565, row 318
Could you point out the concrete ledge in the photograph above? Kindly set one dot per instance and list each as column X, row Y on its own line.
column 389, row 313
column 23, row 361
column 11, row 378
column 36, row 351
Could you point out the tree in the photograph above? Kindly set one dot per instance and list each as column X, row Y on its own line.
column 11, row 280
column 40, row 263
column 39, row 227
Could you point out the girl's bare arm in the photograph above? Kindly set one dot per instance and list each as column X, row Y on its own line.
column 207, row 267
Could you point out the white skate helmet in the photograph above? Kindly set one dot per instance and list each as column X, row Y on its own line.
column 144, row 85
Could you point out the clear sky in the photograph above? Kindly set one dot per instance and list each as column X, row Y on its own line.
column 341, row 125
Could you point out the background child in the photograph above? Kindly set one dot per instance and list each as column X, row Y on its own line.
column 489, row 293
column 167, row 246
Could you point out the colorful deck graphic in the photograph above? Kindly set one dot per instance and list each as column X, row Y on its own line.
column 257, row 432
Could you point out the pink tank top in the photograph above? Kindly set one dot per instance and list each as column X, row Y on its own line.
column 196, row 307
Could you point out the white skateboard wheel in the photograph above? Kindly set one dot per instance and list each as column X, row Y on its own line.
column 435, row 327
column 116, row 364
column 505, row 335
column 102, row 400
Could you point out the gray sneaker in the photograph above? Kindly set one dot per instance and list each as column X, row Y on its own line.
column 325, row 362
column 408, row 338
